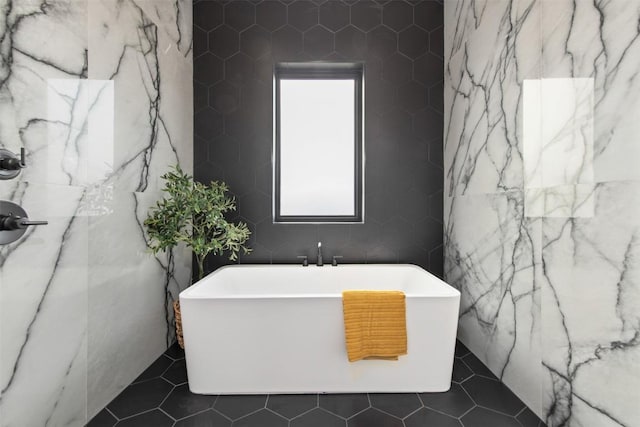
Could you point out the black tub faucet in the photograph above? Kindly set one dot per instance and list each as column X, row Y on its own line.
column 319, row 261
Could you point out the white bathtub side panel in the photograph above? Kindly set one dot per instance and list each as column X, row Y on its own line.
column 297, row 346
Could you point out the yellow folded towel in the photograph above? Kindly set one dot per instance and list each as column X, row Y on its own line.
column 375, row 324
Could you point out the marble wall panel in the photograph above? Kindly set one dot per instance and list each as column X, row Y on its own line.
column 99, row 93
column 570, row 207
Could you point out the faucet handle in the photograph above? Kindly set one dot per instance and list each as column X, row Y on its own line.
column 10, row 163
column 305, row 260
column 334, row 260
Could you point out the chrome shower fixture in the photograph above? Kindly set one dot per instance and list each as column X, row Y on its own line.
column 10, row 164
column 14, row 222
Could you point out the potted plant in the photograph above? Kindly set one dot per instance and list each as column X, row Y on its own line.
column 194, row 213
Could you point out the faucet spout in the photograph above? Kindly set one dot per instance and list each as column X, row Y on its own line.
column 319, row 261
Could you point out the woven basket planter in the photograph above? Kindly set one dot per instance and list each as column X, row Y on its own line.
column 178, row 316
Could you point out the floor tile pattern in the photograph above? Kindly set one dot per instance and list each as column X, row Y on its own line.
column 160, row 397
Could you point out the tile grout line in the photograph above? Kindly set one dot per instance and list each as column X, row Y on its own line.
column 221, row 414
column 496, row 411
column 139, row 413
column 191, row 415
column 109, row 411
column 167, row 414
column 467, row 411
column 173, row 387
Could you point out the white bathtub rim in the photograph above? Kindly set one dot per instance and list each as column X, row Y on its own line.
column 188, row 293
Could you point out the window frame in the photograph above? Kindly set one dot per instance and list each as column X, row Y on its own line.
column 324, row 71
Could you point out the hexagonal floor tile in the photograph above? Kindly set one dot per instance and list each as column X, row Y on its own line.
column 292, row 405
column 460, row 371
column 493, row 394
column 182, row 403
column 177, row 373
column 455, row 402
column 528, row 419
column 236, row 407
column 427, row 417
column 155, row 370
column 155, row 418
column 174, row 352
column 477, row 366
column 481, row 417
column 374, row 418
column 140, row 397
column 103, row 419
column 344, row 405
column 318, row 418
column 204, row 419
column 263, row 418
column 398, row 404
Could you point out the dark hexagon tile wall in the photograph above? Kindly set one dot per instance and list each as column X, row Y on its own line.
column 237, row 42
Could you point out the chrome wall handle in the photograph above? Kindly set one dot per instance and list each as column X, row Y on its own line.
column 14, row 222
column 11, row 164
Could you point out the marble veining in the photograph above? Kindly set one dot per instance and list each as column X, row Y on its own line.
column 542, row 200
column 99, row 94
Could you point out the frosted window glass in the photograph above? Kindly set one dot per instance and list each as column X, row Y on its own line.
column 317, row 147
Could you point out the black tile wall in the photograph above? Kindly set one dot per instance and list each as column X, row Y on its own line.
column 236, row 44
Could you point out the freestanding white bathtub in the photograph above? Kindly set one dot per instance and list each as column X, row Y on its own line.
column 252, row 329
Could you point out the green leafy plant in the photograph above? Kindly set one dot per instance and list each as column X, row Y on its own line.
column 194, row 213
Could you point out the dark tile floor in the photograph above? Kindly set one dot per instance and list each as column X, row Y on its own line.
column 160, row 397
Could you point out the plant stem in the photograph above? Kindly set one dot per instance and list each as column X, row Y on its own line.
column 200, row 260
